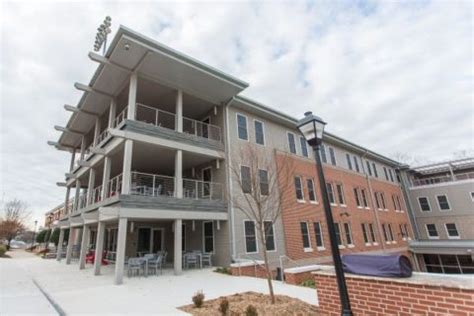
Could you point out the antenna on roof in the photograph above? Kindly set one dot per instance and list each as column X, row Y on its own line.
column 101, row 37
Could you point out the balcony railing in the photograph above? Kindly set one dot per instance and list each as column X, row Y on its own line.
column 115, row 186
column 201, row 129
column 96, row 195
column 442, row 179
column 119, row 119
column 203, row 190
column 151, row 115
column 152, row 184
column 102, row 136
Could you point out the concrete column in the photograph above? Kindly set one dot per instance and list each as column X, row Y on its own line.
column 66, row 201
column 178, row 173
column 78, row 193
column 121, row 244
column 112, row 112
column 70, row 243
column 127, row 166
column 90, row 186
column 99, row 247
column 60, row 244
column 106, row 177
column 73, row 157
column 178, row 227
column 96, row 130
column 132, row 96
column 84, row 243
column 179, row 111
column 83, row 147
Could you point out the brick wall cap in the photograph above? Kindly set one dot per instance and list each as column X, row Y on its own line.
column 421, row 278
column 246, row 263
column 307, row 268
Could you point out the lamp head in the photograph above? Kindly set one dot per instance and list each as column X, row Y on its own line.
column 312, row 128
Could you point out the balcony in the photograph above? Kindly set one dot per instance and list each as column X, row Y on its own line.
column 442, row 179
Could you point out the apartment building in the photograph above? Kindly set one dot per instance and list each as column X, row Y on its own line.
column 53, row 216
column 155, row 142
column 441, row 197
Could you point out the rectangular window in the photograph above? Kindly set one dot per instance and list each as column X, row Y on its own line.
column 299, row 189
column 452, row 230
column 348, row 232
column 259, row 133
column 263, row 180
column 364, row 232
column 398, row 203
column 323, row 154
column 431, row 230
column 245, row 180
column 311, row 192
column 372, row 233
column 395, row 206
column 357, row 198
column 364, row 198
column 250, row 237
column 443, row 202
column 377, row 201
column 304, row 148
column 385, row 234
column 424, row 204
column 208, row 237
column 349, row 162
column 319, row 235
column 332, row 154
column 269, row 235
column 356, row 164
column 386, row 173
column 391, row 174
column 242, row 127
column 369, row 171
column 374, row 167
column 407, row 232
column 330, row 193
column 338, row 234
column 340, row 194
column 382, row 199
column 305, row 235
column 291, row 143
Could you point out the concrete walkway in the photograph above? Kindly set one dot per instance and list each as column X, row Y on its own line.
column 78, row 291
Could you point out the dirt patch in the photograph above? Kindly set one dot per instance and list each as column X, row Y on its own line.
column 284, row 305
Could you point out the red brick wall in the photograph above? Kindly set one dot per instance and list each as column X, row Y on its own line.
column 386, row 297
column 294, row 212
column 298, row 278
column 253, row 271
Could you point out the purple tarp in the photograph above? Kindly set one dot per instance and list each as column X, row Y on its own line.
column 378, row 265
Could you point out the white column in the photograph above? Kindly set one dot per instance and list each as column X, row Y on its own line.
column 178, row 227
column 99, row 246
column 96, row 130
column 84, row 245
column 78, row 193
column 90, row 186
column 83, row 147
column 178, row 174
column 60, row 244
column 70, row 243
column 132, row 96
column 121, row 244
column 66, row 201
column 112, row 112
column 73, row 157
column 106, row 177
column 127, row 166
column 179, row 111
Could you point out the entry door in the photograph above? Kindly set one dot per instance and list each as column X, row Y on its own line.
column 206, row 177
column 157, row 240
column 205, row 127
column 144, row 238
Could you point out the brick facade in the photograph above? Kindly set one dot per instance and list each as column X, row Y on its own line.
column 257, row 271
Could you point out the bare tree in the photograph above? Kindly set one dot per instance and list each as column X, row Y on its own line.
column 263, row 179
column 14, row 219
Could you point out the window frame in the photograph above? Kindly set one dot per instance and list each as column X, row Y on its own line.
column 255, row 121
column 332, row 156
column 427, row 200
column 260, row 182
column 365, row 201
column 246, row 126
column 428, row 231
column 447, row 201
column 330, row 189
column 385, row 173
column 204, row 236
column 250, row 179
column 374, row 167
column 356, row 191
column 317, row 226
column 369, row 170
column 273, row 236
column 322, row 150
column 391, row 174
column 304, row 144
column 349, row 162
column 340, row 193
column 373, row 235
column 294, row 142
column 365, row 234
column 255, row 236
column 309, row 248
column 348, row 232
column 315, row 201
column 447, row 231
column 356, row 163
column 339, row 240
column 302, row 200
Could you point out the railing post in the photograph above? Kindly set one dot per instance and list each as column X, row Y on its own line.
column 153, row 185
column 197, row 190
column 156, row 117
column 132, row 97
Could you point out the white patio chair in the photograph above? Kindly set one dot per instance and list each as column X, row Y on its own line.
column 155, row 264
column 134, row 265
column 207, row 259
column 191, row 259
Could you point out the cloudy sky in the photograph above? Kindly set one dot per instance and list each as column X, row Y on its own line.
column 396, row 77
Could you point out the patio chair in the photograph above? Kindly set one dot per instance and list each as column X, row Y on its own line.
column 134, row 265
column 155, row 264
column 207, row 259
column 191, row 259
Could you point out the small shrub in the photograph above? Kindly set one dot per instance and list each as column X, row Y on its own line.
column 198, row 299
column 251, row 311
column 3, row 249
column 223, row 270
column 224, row 307
column 308, row 283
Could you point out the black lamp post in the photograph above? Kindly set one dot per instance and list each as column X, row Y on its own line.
column 312, row 128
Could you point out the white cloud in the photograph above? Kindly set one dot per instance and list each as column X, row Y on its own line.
column 394, row 77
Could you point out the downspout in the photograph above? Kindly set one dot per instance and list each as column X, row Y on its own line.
column 229, row 180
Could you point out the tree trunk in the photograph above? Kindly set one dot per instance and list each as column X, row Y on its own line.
column 263, row 246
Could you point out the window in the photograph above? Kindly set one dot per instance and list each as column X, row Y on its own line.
column 299, row 189
column 208, row 237
column 311, row 193
column 449, row 263
column 349, row 162
column 398, row 202
column 356, row 164
column 245, row 179
column 424, row 204
column 348, row 232
column 390, row 232
column 402, row 232
column 382, row 199
column 340, row 194
column 330, row 193
column 263, row 179
column 385, row 235
column 432, row 232
column 323, row 154
column 374, row 167
column 332, row 154
column 364, row 198
column 368, row 168
column 372, row 233
column 395, row 206
column 443, row 202
column 377, row 201
column 291, row 143
column 452, row 230
column 242, row 127
column 259, row 133
column 269, row 235
column 472, row 196
column 391, row 174
column 386, row 173
column 305, row 235
column 407, row 232
column 250, row 237
column 304, row 148
column 364, row 232
column 338, row 234
column 319, row 235
column 357, row 198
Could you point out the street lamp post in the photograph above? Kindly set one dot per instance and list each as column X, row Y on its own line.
column 312, row 128
column 34, row 234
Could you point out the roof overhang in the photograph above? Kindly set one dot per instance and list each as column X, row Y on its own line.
column 458, row 247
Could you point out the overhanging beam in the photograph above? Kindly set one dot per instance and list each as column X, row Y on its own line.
column 103, row 60
column 68, row 130
column 89, row 89
column 75, row 109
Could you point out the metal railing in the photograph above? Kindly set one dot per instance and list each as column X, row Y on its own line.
column 96, row 195
column 202, row 190
column 119, row 118
column 114, row 186
column 82, row 202
column 152, row 184
column 102, row 136
column 442, row 179
column 154, row 116
column 201, row 129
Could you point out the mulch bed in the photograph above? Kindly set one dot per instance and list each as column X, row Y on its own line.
column 284, row 305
